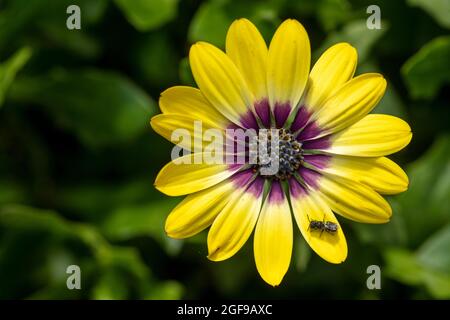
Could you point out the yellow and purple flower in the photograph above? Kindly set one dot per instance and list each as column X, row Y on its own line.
column 331, row 153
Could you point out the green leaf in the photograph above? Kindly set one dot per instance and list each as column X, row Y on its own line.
column 27, row 218
column 78, row 42
column 304, row 7
column 91, row 11
column 168, row 290
column 438, row 284
column 11, row 192
column 110, row 286
column 9, row 68
column 14, row 18
column 93, row 201
column 30, row 219
column 125, row 266
column 357, row 34
column 18, row 17
column 146, row 15
column 332, row 13
column 402, row 266
column 425, row 207
column 438, row 9
column 210, row 24
column 212, row 20
column 429, row 69
column 121, row 269
column 435, row 252
column 155, row 59
column 128, row 222
column 101, row 108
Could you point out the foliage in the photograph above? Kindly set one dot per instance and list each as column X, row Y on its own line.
column 78, row 158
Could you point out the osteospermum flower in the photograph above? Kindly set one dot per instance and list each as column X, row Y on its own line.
column 331, row 159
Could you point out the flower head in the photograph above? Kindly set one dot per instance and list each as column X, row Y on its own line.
column 330, row 153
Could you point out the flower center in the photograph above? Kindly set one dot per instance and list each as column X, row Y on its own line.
column 282, row 162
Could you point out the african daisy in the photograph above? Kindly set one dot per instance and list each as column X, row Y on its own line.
column 331, row 153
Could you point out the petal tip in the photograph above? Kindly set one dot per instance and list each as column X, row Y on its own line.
column 171, row 234
column 195, row 47
column 347, row 47
column 337, row 260
column 159, row 188
column 271, row 280
column 216, row 255
column 169, row 229
column 291, row 23
column 153, row 122
column 241, row 21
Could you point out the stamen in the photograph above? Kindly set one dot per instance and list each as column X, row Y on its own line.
column 288, row 153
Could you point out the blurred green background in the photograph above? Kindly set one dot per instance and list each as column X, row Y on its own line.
column 78, row 157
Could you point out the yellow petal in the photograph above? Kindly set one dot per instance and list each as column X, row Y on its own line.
column 183, row 176
column 273, row 237
column 184, row 130
column 331, row 247
column 374, row 136
column 220, row 81
column 335, row 67
column 288, row 63
column 235, row 223
column 190, row 101
column 352, row 102
column 198, row 210
column 247, row 49
column 381, row 174
column 354, row 200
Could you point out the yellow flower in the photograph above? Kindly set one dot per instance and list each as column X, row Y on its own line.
column 332, row 152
